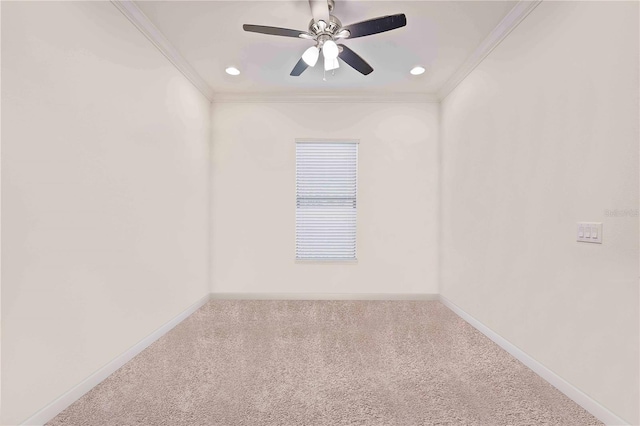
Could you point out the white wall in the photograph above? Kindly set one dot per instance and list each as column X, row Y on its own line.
column 104, row 195
column 543, row 134
column 253, row 197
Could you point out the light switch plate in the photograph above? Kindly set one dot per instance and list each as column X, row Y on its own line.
column 589, row 232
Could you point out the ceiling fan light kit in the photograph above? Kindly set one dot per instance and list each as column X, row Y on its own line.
column 325, row 29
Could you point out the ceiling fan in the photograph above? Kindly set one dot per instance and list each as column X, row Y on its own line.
column 325, row 29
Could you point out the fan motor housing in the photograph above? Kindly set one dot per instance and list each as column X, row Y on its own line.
column 321, row 31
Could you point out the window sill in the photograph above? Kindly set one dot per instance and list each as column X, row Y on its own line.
column 327, row 261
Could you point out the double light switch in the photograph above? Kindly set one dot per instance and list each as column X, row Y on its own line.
column 590, row 232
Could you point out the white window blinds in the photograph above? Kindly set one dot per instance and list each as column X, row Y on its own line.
column 326, row 187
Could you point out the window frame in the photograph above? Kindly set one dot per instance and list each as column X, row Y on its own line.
column 353, row 260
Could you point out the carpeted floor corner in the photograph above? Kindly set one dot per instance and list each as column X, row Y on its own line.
column 324, row 363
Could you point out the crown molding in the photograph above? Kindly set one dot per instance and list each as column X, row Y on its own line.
column 325, row 97
column 137, row 17
column 502, row 30
column 146, row 27
column 133, row 13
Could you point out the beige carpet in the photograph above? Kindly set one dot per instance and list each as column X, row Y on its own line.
column 324, row 363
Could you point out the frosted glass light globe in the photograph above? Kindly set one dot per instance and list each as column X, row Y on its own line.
column 310, row 56
column 330, row 50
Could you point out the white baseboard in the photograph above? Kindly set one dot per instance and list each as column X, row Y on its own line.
column 324, row 296
column 579, row 397
column 60, row 404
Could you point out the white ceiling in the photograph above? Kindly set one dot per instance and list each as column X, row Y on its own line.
column 440, row 36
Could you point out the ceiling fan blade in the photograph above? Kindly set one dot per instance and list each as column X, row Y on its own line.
column 299, row 68
column 285, row 32
column 354, row 60
column 376, row 25
column 319, row 10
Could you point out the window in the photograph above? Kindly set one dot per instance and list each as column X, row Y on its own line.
column 326, row 187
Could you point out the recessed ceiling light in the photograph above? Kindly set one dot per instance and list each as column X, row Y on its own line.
column 232, row 71
column 417, row 70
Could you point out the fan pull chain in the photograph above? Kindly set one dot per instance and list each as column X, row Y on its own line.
column 324, row 75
